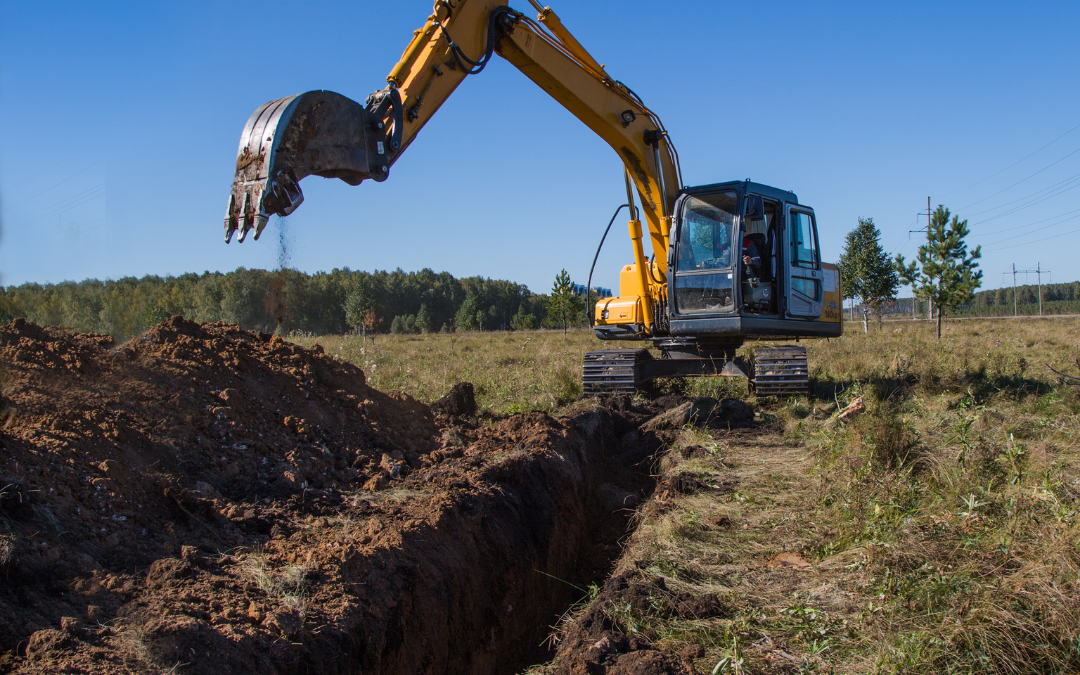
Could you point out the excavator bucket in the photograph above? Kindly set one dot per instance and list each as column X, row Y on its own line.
column 318, row 133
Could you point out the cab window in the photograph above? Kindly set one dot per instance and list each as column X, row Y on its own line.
column 803, row 240
column 705, row 234
column 703, row 274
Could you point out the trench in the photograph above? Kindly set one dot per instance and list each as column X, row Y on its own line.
column 479, row 590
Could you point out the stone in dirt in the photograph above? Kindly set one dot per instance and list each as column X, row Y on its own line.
column 789, row 559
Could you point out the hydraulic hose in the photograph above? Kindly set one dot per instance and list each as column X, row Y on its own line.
column 475, row 67
column 588, row 285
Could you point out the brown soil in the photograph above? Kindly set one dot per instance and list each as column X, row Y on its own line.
column 210, row 500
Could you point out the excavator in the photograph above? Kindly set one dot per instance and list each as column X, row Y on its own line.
column 730, row 262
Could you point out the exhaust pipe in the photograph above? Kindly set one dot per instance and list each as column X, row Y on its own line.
column 318, row 133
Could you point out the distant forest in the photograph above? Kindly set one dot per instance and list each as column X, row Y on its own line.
column 1056, row 299
column 282, row 301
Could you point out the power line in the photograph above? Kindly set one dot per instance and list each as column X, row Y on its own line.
column 903, row 238
column 1027, row 205
column 1017, row 227
column 74, row 197
column 1028, row 243
column 60, row 207
column 1022, row 180
column 1031, row 194
column 1038, row 229
column 61, row 182
column 1016, row 162
column 27, row 180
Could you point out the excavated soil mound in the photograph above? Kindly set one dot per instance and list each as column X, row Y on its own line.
column 210, row 500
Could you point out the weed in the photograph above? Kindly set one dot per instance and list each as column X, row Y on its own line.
column 287, row 585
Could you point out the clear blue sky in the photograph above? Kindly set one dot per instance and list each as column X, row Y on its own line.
column 119, row 123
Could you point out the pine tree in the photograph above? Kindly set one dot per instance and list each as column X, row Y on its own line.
column 423, row 320
column 465, row 318
column 944, row 272
column 867, row 270
column 563, row 306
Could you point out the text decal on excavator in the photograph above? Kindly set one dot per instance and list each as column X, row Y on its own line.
column 832, row 311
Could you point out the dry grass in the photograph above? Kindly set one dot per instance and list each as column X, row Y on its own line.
column 969, row 530
column 287, row 585
column 511, row 371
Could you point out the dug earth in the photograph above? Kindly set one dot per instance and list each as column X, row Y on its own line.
column 203, row 499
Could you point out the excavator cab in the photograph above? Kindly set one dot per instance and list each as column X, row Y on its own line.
column 756, row 279
column 744, row 264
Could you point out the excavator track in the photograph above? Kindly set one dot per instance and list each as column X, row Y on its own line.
column 781, row 371
column 612, row 371
column 624, row 371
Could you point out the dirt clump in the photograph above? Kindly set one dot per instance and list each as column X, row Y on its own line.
column 598, row 642
column 702, row 412
column 460, row 401
column 187, row 440
column 688, row 483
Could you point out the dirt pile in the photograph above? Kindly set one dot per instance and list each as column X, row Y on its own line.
column 218, row 501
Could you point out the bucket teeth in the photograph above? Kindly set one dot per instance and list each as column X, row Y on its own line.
column 260, row 223
column 230, row 221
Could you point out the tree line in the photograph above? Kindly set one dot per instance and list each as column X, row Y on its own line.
column 289, row 301
column 1027, row 294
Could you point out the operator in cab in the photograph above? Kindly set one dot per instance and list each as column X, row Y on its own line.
column 751, row 258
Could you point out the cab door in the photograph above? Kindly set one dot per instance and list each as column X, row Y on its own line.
column 803, row 276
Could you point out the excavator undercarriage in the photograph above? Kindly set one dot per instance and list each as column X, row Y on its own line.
column 773, row 371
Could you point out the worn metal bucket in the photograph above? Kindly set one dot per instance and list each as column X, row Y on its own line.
column 318, row 133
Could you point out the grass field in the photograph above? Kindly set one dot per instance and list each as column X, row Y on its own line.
column 942, row 525
column 511, row 371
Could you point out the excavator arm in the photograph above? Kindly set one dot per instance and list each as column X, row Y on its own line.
column 326, row 134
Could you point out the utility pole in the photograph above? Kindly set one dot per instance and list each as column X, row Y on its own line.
column 931, row 300
column 1038, row 274
column 1014, row 291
